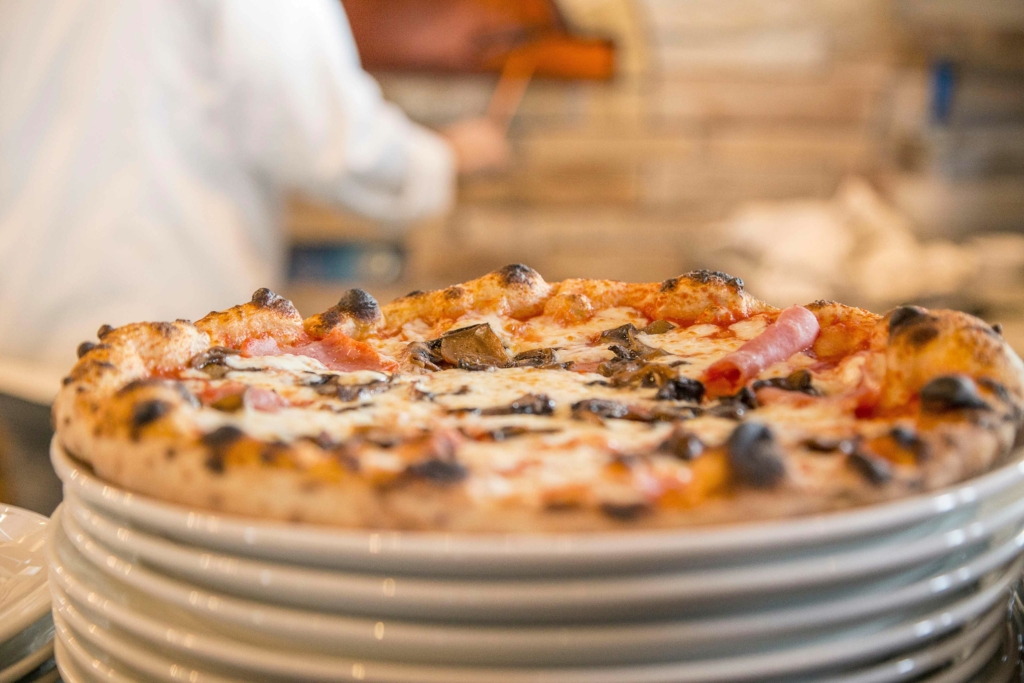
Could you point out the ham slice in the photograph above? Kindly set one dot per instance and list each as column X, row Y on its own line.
column 794, row 330
column 337, row 351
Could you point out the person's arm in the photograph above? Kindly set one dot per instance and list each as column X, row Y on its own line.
column 303, row 112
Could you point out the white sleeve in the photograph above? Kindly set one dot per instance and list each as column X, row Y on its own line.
column 304, row 113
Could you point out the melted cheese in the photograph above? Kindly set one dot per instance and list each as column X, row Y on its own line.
column 558, row 458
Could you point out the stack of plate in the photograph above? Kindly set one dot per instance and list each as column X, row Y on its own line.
column 26, row 628
column 915, row 590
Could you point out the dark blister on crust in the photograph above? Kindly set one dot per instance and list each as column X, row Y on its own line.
column 518, row 274
column 952, row 392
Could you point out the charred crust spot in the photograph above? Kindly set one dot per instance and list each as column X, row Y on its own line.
column 819, row 304
column 360, row 305
column 713, row 277
column 414, row 293
column 625, row 512
column 165, row 330
column 998, row 329
column 875, row 469
column 215, row 462
column 438, row 471
column 104, row 331
column 170, row 454
column 517, row 274
column 85, row 347
column 265, row 298
column 951, row 392
column 222, row 437
column 669, row 284
column 908, row 439
column 906, row 317
column 755, row 456
column 145, row 412
column 921, row 335
column 454, row 292
column 67, row 380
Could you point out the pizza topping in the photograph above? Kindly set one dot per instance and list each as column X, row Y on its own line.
column 683, row 445
column 658, row 327
column 539, row 358
column 336, row 351
column 476, row 347
column 875, row 469
column 794, row 330
column 951, row 392
column 264, row 400
column 681, row 389
column 212, row 362
column 736, row 406
column 528, row 404
column 797, row 381
column 755, row 456
column 230, row 403
column 625, row 344
column 599, row 407
column 820, row 444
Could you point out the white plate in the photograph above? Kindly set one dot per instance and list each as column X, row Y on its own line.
column 26, row 651
column 190, row 640
column 582, row 644
column 451, row 644
column 23, row 595
column 112, row 644
column 523, row 554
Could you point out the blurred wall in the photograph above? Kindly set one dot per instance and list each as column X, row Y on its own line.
column 716, row 102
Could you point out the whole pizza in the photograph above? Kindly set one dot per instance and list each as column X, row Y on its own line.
column 512, row 404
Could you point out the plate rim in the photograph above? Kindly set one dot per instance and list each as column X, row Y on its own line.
column 493, row 550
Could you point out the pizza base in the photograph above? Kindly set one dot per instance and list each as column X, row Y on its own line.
column 97, row 410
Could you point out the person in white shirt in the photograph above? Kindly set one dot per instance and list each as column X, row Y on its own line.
column 145, row 149
column 146, row 146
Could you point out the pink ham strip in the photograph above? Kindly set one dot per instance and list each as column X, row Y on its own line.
column 794, row 330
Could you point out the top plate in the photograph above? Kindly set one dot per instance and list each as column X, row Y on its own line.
column 24, row 597
column 532, row 554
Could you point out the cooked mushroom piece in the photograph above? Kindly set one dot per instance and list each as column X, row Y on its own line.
column 473, row 347
column 528, row 404
column 658, row 327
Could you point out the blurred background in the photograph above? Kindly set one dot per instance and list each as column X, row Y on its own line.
column 870, row 151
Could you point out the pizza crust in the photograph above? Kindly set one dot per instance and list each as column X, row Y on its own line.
column 122, row 412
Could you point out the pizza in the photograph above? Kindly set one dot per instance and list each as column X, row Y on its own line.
column 512, row 404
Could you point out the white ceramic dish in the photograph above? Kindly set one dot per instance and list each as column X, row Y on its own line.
column 503, row 601
column 643, row 642
column 525, row 554
column 190, row 640
column 139, row 656
column 23, row 595
column 27, row 651
column 462, row 644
